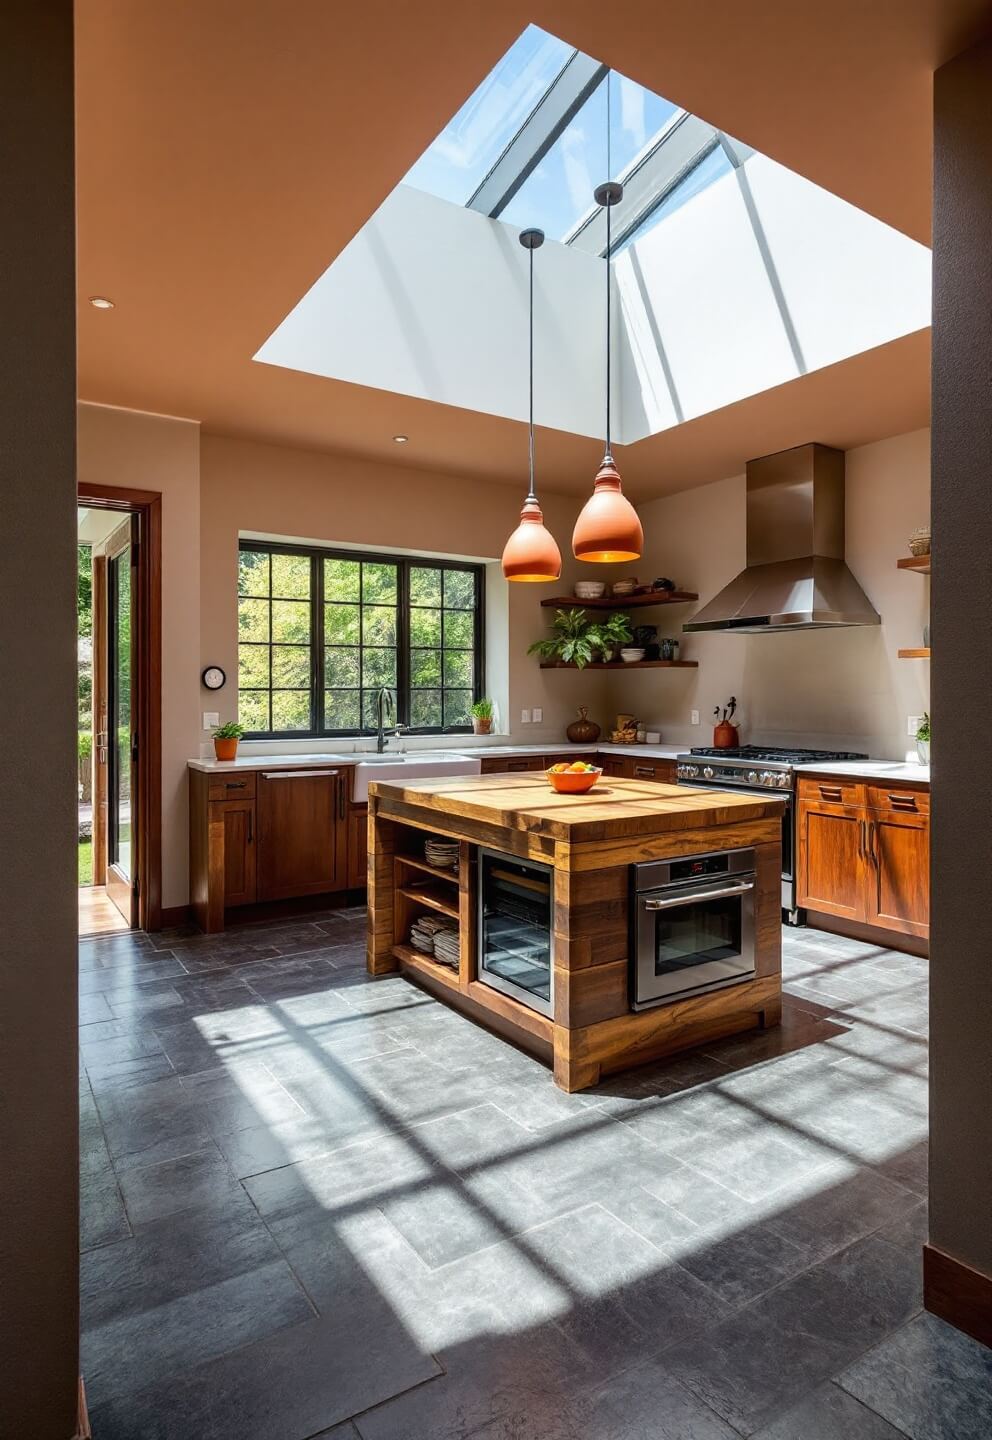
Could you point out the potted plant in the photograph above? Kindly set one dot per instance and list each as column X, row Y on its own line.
column 569, row 642
column 923, row 739
column 226, row 739
column 610, row 637
column 482, row 716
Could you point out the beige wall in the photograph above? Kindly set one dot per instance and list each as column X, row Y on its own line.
column 131, row 450
column 844, row 688
column 330, row 499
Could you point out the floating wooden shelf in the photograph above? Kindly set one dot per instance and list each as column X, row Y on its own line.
column 622, row 602
column 919, row 563
column 415, row 863
column 622, row 665
column 413, row 960
column 921, row 654
column 431, row 900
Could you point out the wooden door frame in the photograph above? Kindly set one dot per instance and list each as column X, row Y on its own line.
column 98, row 783
column 147, row 504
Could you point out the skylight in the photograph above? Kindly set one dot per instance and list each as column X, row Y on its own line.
column 532, row 143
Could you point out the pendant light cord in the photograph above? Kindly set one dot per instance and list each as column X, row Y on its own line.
column 609, row 208
column 531, row 493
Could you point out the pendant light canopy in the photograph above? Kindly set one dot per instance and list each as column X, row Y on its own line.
column 531, row 552
column 608, row 528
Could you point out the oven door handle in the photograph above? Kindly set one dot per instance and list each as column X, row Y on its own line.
column 688, row 897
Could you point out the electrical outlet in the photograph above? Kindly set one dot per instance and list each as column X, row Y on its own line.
column 693, row 717
column 525, row 717
column 538, row 716
column 211, row 719
column 913, row 724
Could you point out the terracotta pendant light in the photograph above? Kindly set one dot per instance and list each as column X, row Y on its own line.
column 531, row 552
column 608, row 528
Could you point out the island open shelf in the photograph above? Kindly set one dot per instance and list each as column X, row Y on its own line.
column 585, row 846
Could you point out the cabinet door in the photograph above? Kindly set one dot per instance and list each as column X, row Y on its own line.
column 358, row 846
column 899, row 872
column 618, row 767
column 302, row 833
column 831, row 859
column 663, row 771
column 238, row 818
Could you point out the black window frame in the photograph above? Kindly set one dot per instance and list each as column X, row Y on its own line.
column 317, row 554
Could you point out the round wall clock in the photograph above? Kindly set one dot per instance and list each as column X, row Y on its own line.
column 214, row 678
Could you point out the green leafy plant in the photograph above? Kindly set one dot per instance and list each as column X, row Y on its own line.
column 230, row 731
column 569, row 640
column 923, row 729
column 611, row 635
column 483, row 709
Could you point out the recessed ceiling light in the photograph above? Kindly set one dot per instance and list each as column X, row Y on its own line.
column 100, row 302
column 401, row 439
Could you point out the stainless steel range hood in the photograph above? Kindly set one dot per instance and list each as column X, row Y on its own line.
column 796, row 577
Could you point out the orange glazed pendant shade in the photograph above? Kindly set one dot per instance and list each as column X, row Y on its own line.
column 531, row 552
column 607, row 528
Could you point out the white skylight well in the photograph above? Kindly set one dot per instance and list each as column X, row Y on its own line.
column 731, row 273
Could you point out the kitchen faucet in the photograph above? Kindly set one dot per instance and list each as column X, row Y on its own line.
column 383, row 705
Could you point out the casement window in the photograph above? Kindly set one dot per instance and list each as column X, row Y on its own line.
column 320, row 632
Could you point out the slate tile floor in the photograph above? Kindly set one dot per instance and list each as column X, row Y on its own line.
column 315, row 1204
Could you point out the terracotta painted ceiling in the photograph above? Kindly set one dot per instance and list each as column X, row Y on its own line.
column 228, row 150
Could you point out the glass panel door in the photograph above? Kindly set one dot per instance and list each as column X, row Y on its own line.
column 515, row 929
column 121, row 869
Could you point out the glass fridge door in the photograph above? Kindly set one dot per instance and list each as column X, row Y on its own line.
column 515, row 901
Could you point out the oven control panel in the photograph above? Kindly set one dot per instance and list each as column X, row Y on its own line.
column 717, row 774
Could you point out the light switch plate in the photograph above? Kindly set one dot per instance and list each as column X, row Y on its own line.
column 211, row 719
column 538, row 716
column 525, row 717
column 693, row 717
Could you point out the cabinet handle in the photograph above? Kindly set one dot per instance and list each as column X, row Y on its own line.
column 251, row 825
column 903, row 802
column 235, row 784
column 872, row 853
column 341, row 797
column 861, row 839
column 646, row 770
column 831, row 792
column 296, row 774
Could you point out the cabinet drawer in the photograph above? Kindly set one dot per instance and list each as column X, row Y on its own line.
column 503, row 764
column 232, row 787
column 822, row 790
column 662, row 771
column 899, row 799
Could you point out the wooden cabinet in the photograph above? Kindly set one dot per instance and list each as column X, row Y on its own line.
column 238, row 820
column 830, row 857
column 509, row 764
column 866, row 860
column 302, row 832
column 898, row 891
column 628, row 767
column 358, row 846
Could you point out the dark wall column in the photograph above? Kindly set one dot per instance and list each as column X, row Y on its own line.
column 39, row 1186
column 959, row 1256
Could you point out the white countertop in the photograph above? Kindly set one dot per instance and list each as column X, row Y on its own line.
column 887, row 770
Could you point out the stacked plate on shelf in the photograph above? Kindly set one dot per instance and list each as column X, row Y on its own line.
column 433, row 936
column 442, row 853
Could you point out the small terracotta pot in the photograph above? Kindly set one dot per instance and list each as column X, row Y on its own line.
column 482, row 725
column 226, row 749
column 725, row 736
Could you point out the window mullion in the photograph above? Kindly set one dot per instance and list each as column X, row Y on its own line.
column 403, row 643
column 317, row 644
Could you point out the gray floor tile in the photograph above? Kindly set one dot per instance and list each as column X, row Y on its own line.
column 838, row 1214
column 742, row 1266
column 829, row 1413
column 928, row 1380
column 198, row 1179
column 102, row 1217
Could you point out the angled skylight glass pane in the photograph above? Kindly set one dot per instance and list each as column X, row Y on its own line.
column 710, row 168
column 560, row 190
column 468, row 147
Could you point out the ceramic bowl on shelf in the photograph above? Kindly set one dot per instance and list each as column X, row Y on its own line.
column 631, row 656
column 919, row 541
column 573, row 782
column 624, row 587
column 590, row 589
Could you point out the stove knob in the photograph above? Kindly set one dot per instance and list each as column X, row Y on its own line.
column 752, row 777
column 767, row 777
column 783, row 780
column 708, row 772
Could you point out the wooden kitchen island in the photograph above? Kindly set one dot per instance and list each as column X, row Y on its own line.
column 589, row 844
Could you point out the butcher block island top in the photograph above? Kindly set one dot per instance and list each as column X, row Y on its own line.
column 574, row 855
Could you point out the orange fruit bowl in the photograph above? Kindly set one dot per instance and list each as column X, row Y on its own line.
column 573, row 782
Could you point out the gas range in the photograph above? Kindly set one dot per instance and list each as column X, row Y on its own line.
column 763, row 767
